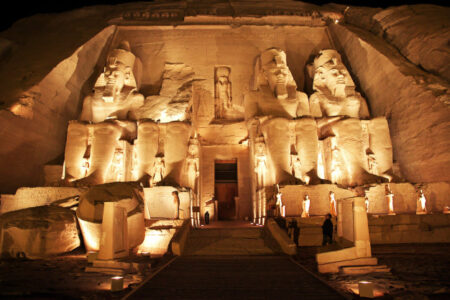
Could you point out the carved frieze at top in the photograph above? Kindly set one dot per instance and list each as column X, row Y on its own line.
column 225, row 12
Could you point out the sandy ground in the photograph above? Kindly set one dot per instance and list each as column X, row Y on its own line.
column 419, row 271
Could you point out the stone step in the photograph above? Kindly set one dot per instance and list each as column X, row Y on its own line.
column 359, row 270
column 334, row 266
column 110, row 271
column 231, row 251
column 213, row 245
column 228, row 232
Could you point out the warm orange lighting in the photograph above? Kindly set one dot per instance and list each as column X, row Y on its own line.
column 116, row 283
column 156, row 242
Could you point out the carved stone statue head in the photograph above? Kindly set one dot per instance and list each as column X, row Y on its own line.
column 193, row 147
column 260, row 147
column 118, row 72
column 271, row 69
column 331, row 77
column 222, row 74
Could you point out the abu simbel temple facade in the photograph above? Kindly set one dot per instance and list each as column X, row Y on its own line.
column 188, row 114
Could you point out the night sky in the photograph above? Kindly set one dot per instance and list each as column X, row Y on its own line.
column 19, row 9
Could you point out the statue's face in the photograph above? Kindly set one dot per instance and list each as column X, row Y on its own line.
column 278, row 75
column 332, row 80
column 116, row 75
column 193, row 149
column 260, row 148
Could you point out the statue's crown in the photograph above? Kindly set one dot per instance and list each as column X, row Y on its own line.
column 193, row 141
column 122, row 54
column 327, row 56
column 222, row 71
column 273, row 57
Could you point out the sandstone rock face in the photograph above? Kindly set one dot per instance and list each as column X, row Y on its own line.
column 174, row 98
column 35, row 127
column 38, row 232
column 417, row 111
column 419, row 32
column 90, row 212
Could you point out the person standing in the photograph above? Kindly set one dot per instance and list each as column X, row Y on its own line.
column 327, row 230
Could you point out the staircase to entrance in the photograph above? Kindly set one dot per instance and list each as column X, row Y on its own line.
column 231, row 241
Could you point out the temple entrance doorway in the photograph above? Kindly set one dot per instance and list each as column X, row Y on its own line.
column 226, row 188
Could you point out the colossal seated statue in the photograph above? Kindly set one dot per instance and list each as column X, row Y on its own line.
column 108, row 109
column 354, row 151
column 281, row 113
column 334, row 88
column 115, row 92
column 274, row 90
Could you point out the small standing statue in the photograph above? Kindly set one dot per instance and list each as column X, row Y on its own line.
column 305, row 205
column 223, row 91
column 372, row 164
column 296, row 166
column 281, row 211
column 260, row 163
column 85, row 167
column 159, row 170
column 390, row 199
column 366, row 201
column 192, row 164
column 176, row 201
column 421, row 204
column 333, row 211
column 117, row 166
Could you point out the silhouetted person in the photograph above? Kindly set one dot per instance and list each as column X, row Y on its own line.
column 327, row 230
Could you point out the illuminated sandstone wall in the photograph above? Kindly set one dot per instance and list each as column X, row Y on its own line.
column 414, row 102
column 203, row 47
column 31, row 140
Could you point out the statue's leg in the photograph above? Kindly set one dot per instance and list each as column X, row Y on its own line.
column 147, row 147
column 176, row 143
column 307, row 146
column 381, row 146
column 349, row 142
column 76, row 145
column 278, row 140
column 104, row 143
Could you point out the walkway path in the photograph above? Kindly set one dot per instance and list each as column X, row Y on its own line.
column 234, row 277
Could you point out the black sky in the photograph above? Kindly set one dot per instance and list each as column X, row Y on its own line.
column 16, row 10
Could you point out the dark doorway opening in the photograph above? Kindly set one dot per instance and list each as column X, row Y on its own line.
column 226, row 188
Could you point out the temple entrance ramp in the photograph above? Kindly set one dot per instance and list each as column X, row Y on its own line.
column 233, row 277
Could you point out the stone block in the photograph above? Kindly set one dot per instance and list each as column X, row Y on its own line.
column 38, row 232
column 37, row 196
column 333, row 267
column 90, row 212
column 360, row 270
column 281, row 237
column 159, row 203
column 336, row 256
